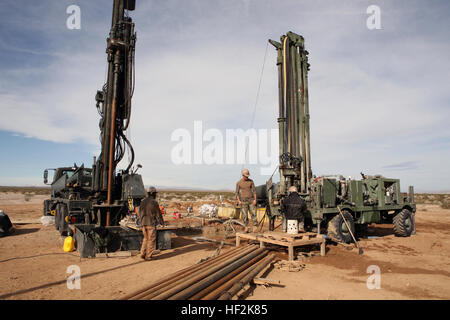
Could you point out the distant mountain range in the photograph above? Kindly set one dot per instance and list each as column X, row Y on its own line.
column 169, row 188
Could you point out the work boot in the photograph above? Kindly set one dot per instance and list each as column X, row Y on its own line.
column 155, row 252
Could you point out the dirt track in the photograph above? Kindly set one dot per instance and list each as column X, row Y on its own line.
column 33, row 265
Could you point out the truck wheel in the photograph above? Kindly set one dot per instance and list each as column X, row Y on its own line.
column 46, row 209
column 63, row 213
column 403, row 223
column 337, row 229
column 57, row 216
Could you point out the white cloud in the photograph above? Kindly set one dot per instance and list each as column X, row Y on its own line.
column 375, row 99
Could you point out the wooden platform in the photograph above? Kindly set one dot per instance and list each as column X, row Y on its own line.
column 284, row 239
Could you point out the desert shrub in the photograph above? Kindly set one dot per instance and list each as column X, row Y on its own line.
column 442, row 200
column 24, row 190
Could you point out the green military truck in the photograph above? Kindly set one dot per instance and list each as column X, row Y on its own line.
column 74, row 201
column 373, row 199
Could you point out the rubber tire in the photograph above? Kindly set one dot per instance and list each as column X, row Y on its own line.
column 57, row 216
column 46, row 204
column 335, row 230
column 400, row 221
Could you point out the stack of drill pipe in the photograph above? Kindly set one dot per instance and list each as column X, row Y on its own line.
column 177, row 275
column 202, row 279
column 216, row 289
column 210, row 279
column 239, row 285
column 183, row 285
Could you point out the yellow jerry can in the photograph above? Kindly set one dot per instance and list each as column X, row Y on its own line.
column 260, row 213
column 69, row 244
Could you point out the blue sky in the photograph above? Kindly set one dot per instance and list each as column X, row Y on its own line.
column 379, row 99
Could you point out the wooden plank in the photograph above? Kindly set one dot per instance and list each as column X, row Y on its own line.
column 291, row 252
column 247, row 236
column 288, row 235
column 37, row 221
column 114, row 254
column 281, row 243
column 306, row 242
column 322, row 248
column 265, row 282
column 289, row 244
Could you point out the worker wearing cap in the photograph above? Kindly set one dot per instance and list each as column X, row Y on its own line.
column 150, row 217
column 293, row 208
column 246, row 197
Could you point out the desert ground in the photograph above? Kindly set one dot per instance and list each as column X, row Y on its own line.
column 34, row 266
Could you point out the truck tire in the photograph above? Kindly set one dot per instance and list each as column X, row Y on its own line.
column 337, row 229
column 46, row 208
column 57, row 216
column 63, row 213
column 403, row 223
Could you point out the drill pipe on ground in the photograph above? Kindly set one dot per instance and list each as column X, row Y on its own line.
column 196, row 269
column 209, row 280
column 183, row 272
column 199, row 268
column 201, row 275
column 220, row 282
column 246, row 279
column 227, row 285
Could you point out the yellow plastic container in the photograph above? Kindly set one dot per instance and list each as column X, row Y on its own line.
column 228, row 212
column 260, row 213
column 69, row 244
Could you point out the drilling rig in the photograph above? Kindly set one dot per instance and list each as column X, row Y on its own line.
column 101, row 196
column 373, row 199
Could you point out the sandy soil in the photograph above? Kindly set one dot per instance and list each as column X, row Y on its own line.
column 33, row 265
column 417, row 267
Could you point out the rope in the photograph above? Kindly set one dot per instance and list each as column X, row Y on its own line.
column 256, row 100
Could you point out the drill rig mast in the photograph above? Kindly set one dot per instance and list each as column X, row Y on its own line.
column 114, row 105
column 293, row 120
column 293, row 124
column 100, row 195
column 374, row 199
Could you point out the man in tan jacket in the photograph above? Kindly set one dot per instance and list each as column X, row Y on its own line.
column 150, row 216
column 246, row 197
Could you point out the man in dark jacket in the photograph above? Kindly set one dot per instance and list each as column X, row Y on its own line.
column 294, row 208
column 150, row 216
